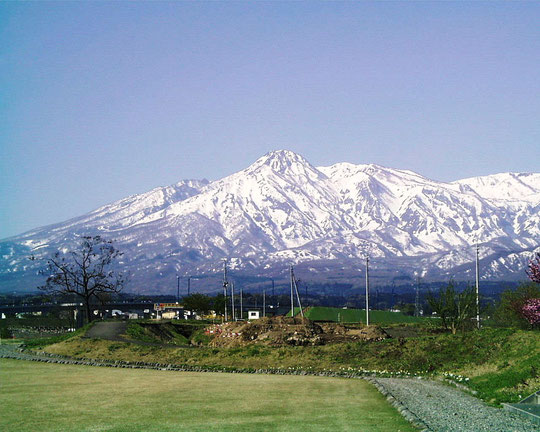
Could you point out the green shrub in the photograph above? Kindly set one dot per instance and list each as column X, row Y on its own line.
column 199, row 337
column 509, row 310
column 5, row 333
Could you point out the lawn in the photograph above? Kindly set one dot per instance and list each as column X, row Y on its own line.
column 51, row 397
column 502, row 364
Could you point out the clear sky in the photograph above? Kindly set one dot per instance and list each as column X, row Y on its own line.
column 103, row 100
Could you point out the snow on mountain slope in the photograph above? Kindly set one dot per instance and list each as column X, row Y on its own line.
column 506, row 186
column 126, row 212
column 280, row 201
column 282, row 209
column 437, row 215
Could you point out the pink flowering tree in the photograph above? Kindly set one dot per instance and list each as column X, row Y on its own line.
column 534, row 269
column 520, row 307
column 531, row 311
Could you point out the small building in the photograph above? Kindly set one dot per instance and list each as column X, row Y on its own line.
column 169, row 310
column 253, row 314
column 168, row 314
column 190, row 315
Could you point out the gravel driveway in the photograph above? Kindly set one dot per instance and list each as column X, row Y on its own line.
column 446, row 409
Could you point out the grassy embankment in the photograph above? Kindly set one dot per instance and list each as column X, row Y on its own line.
column 51, row 397
column 319, row 313
column 39, row 339
column 501, row 364
column 179, row 333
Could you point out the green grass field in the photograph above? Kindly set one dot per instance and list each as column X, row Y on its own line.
column 319, row 313
column 501, row 363
column 50, row 397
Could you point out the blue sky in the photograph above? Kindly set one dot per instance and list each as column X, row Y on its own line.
column 103, row 100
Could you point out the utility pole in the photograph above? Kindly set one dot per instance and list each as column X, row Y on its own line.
column 298, row 296
column 190, row 278
column 367, row 290
column 393, row 289
column 273, row 294
column 416, row 299
column 241, row 303
column 477, row 288
column 264, row 303
column 292, row 297
column 225, row 283
column 232, row 302
column 177, row 289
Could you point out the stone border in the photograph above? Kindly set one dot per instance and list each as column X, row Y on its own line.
column 44, row 357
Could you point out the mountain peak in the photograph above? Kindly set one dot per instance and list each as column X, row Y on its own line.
column 281, row 160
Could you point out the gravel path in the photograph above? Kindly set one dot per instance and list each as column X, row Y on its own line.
column 442, row 408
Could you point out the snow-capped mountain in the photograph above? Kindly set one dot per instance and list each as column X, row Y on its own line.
column 283, row 210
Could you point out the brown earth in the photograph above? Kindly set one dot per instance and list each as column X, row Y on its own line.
column 108, row 330
column 288, row 331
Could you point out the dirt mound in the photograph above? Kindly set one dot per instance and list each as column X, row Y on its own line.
column 287, row 331
column 269, row 331
column 107, row 330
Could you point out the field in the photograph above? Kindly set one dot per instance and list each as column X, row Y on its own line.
column 502, row 364
column 318, row 313
column 51, row 397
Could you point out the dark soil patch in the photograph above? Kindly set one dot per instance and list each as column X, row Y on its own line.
column 107, row 330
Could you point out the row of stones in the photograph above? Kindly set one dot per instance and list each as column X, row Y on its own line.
column 52, row 358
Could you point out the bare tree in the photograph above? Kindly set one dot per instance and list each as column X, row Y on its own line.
column 85, row 272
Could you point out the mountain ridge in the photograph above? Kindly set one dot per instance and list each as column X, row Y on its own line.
column 282, row 209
